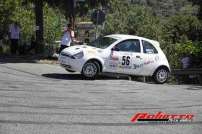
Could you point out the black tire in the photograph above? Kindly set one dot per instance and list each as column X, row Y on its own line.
column 90, row 70
column 98, row 66
column 161, row 76
column 70, row 71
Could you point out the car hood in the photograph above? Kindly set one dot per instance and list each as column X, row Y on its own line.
column 76, row 49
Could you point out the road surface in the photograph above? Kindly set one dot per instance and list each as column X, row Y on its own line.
column 45, row 99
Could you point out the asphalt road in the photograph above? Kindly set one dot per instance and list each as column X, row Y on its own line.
column 45, row 99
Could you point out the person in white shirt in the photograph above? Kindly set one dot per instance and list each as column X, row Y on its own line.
column 67, row 38
column 14, row 34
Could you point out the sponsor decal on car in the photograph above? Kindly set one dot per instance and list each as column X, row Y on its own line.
column 136, row 66
column 125, row 67
column 113, row 65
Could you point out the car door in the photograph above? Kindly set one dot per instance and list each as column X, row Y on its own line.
column 150, row 57
column 124, row 55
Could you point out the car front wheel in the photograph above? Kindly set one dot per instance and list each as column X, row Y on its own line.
column 90, row 70
column 161, row 76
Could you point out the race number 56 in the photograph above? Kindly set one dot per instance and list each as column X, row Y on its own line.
column 126, row 60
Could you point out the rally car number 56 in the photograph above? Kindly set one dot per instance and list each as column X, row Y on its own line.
column 123, row 54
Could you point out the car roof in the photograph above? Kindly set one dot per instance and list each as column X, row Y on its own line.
column 125, row 36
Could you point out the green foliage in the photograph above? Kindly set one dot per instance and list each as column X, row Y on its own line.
column 176, row 51
column 175, row 23
column 141, row 22
column 133, row 19
column 180, row 28
column 176, row 31
column 24, row 14
column 189, row 48
column 6, row 11
column 14, row 11
column 54, row 21
column 116, row 20
column 26, row 19
column 166, row 8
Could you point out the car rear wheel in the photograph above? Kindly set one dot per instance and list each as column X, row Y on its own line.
column 161, row 75
column 90, row 70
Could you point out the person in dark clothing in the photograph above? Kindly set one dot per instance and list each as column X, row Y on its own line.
column 14, row 34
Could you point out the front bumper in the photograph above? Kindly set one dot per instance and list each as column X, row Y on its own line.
column 71, row 64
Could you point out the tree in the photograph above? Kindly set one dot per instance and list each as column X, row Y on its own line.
column 183, row 28
column 72, row 7
column 6, row 13
column 39, row 25
column 165, row 8
column 199, row 3
column 132, row 19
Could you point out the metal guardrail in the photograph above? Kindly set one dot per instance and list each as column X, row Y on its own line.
column 190, row 71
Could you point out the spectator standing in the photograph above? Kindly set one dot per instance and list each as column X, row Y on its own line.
column 68, row 38
column 186, row 62
column 14, row 34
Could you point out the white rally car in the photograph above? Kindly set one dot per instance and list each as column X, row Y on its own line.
column 122, row 54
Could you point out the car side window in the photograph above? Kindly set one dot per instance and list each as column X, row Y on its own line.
column 129, row 46
column 148, row 48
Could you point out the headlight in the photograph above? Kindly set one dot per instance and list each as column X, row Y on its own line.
column 78, row 55
column 65, row 54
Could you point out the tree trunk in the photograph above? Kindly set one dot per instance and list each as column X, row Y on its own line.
column 71, row 13
column 39, row 25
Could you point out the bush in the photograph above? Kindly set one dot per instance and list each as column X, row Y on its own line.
column 189, row 48
column 54, row 22
column 23, row 13
column 133, row 19
column 172, row 32
column 26, row 19
column 181, row 28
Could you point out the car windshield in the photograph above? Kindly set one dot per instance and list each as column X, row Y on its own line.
column 102, row 42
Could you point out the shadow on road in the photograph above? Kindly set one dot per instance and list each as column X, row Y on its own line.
column 194, row 87
column 77, row 77
column 23, row 59
column 16, row 59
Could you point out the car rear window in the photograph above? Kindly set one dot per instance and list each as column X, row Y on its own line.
column 148, row 48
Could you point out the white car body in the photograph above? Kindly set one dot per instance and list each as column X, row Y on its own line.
column 142, row 63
